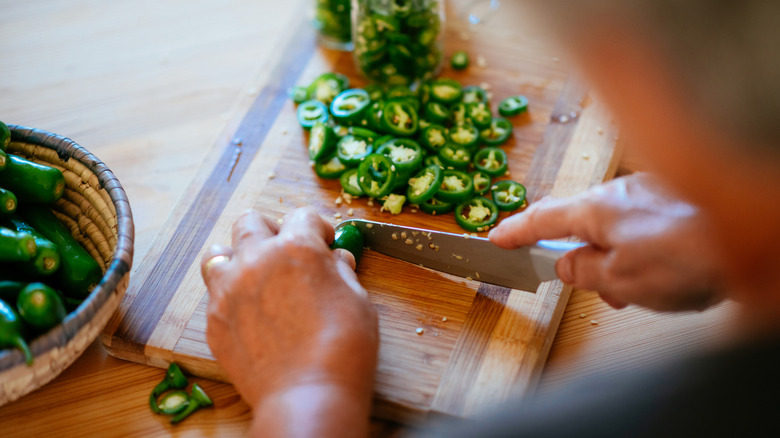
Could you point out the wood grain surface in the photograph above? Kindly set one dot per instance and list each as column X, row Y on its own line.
column 145, row 88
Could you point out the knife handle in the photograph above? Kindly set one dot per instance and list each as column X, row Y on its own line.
column 545, row 253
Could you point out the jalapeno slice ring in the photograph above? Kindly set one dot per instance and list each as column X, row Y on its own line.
column 434, row 137
column 456, row 186
column 479, row 113
column 321, row 141
column 405, row 154
column 474, row 94
column 349, row 182
column 477, row 214
column 434, row 206
column 482, row 182
column 375, row 176
column 424, row 185
column 508, row 195
column 311, row 112
column 465, row 135
column 298, row 94
column 512, row 106
column 491, row 160
column 330, row 168
column 327, row 86
column 452, row 155
column 399, row 118
column 349, row 105
column 446, row 90
column 351, row 150
column 436, row 112
column 497, row 133
column 459, row 60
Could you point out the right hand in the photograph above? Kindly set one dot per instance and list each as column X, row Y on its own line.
column 644, row 246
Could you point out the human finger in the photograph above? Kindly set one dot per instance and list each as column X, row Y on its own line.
column 347, row 273
column 584, row 268
column 551, row 219
column 345, row 256
column 305, row 223
column 251, row 228
column 214, row 259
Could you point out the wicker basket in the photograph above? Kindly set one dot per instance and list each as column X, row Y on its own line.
column 95, row 209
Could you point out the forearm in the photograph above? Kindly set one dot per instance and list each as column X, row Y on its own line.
column 313, row 411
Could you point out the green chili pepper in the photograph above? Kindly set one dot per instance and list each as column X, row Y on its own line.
column 8, row 202
column 399, row 118
column 465, row 135
column 327, row 86
column 32, row 182
column 459, row 60
column 11, row 331
column 405, row 154
column 198, row 399
column 454, row 156
column 433, row 160
column 456, row 186
column 480, row 115
column 332, row 20
column 349, row 237
column 434, row 137
column 16, row 246
column 458, row 114
column 5, row 136
column 9, row 290
column 435, row 206
column 321, row 141
column 491, row 160
column 476, row 215
column 474, row 94
column 40, row 306
column 351, row 150
column 436, row 112
column 499, row 131
column 482, row 182
column 512, row 106
column 174, row 379
column 349, row 105
column 375, row 91
column 298, row 94
column 425, row 184
column 311, row 112
column 174, row 402
column 349, row 182
column 375, row 176
column 508, row 195
column 446, row 90
column 330, row 168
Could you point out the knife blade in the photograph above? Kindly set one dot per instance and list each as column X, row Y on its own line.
column 466, row 256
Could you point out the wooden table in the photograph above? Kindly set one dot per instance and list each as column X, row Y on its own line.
column 148, row 86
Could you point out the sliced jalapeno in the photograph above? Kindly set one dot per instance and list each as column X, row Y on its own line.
column 374, row 115
column 298, row 94
column 349, row 182
column 173, row 402
column 311, row 112
column 512, row 106
column 330, row 168
column 327, row 86
column 375, row 91
column 452, row 155
column 375, row 176
column 424, row 185
column 394, row 203
column 508, row 195
column 400, row 91
column 476, row 215
column 459, row 60
column 436, row 112
column 465, row 135
column 482, row 182
column 497, row 133
column 399, row 118
column 491, row 160
column 458, row 114
column 456, row 186
column 435, row 206
column 433, row 160
column 474, row 94
column 349, row 105
column 351, row 150
column 446, row 90
column 368, row 134
column 433, row 137
column 480, row 115
column 405, row 154
column 321, row 141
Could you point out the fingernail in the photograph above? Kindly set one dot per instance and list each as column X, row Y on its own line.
column 564, row 269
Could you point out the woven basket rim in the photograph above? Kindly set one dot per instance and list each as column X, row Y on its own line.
column 121, row 259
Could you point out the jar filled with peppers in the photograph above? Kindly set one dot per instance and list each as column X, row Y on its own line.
column 332, row 21
column 397, row 42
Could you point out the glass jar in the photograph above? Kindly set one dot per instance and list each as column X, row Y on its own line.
column 332, row 21
column 398, row 41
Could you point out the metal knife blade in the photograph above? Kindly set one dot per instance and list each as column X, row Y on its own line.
column 464, row 255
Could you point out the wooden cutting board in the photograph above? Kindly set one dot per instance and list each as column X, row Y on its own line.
column 481, row 343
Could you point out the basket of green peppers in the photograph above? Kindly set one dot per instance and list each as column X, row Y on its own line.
column 66, row 245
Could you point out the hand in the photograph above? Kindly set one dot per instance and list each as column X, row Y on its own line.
column 287, row 318
column 644, row 248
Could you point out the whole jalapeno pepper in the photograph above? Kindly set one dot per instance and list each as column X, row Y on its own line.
column 40, row 306
column 11, row 331
column 349, row 237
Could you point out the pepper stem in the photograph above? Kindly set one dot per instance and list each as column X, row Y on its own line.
column 22, row 345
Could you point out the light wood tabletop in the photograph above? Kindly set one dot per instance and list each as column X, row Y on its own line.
column 149, row 86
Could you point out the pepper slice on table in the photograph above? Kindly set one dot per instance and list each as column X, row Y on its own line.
column 479, row 113
column 298, row 94
column 477, row 214
column 174, row 379
column 322, row 139
column 399, row 118
column 174, row 402
column 497, row 133
column 436, row 112
column 474, row 94
column 456, row 186
column 512, row 106
column 452, row 155
column 406, row 154
column 330, row 168
column 446, row 90
column 458, row 114
column 311, row 112
column 349, row 182
column 424, row 185
column 481, row 182
column 436, row 206
column 508, row 195
column 351, row 150
column 349, row 105
column 459, row 60
column 491, row 160
column 376, row 176
column 197, row 399
column 465, row 135
column 433, row 137
column 327, row 86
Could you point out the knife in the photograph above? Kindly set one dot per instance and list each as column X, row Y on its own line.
column 474, row 258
